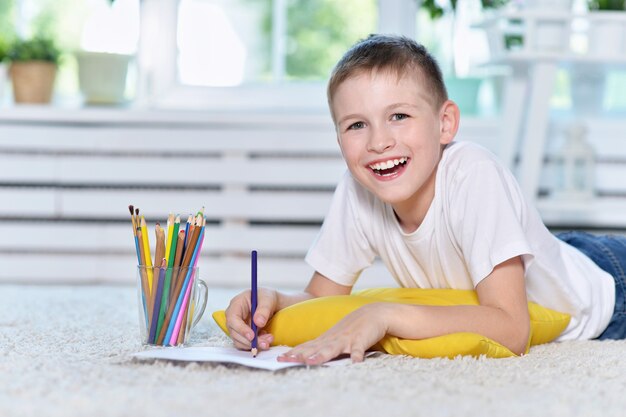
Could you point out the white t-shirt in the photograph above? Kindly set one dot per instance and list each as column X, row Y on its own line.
column 477, row 220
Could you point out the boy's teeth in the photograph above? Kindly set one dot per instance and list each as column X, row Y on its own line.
column 387, row 164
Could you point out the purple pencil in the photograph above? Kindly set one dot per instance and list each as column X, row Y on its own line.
column 253, row 297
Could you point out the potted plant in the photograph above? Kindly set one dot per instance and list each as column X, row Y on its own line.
column 33, row 69
column 102, row 76
column 103, row 62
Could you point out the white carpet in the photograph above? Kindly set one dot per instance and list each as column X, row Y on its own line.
column 65, row 351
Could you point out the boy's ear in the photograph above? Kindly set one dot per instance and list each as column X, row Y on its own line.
column 449, row 117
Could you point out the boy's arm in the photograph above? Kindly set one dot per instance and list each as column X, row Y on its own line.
column 269, row 302
column 502, row 316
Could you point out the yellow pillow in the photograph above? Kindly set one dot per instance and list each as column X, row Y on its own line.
column 307, row 320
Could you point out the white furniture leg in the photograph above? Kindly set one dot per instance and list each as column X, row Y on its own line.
column 513, row 108
column 543, row 75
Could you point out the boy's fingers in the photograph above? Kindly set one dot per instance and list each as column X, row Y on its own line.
column 241, row 346
column 264, row 309
column 357, row 355
column 237, row 325
column 236, row 315
column 241, row 342
column 265, row 341
column 321, row 354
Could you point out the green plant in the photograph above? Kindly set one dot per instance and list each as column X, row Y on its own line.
column 493, row 4
column 4, row 50
column 436, row 11
column 35, row 49
column 605, row 4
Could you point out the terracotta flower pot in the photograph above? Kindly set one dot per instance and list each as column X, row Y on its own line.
column 33, row 81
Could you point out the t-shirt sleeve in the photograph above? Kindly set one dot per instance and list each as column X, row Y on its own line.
column 341, row 250
column 488, row 215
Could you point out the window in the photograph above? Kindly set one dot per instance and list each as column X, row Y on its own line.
column 249, row 45
column 235, row 42
column 213, row 53
column 247, row 54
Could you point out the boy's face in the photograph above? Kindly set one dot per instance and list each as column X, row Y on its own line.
column 391, row 135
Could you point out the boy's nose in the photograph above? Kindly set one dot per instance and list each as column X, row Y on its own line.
column 380, row 141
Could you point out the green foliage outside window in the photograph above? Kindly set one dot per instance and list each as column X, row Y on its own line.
column 606, row 4
column 319, row 32
column 3, row 50
column 7, row 13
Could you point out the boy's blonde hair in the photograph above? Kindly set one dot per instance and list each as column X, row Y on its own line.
column 397, row 54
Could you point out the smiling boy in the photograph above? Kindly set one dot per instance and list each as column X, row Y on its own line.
column 439, row 214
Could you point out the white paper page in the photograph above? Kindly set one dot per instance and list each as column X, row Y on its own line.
column 265, row 359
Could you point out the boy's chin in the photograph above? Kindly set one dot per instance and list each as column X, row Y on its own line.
column 389, row 193
column 392, row 196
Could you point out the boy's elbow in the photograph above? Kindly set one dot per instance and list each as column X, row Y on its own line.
column 519, row 338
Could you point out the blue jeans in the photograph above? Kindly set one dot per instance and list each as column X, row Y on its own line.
column 609, row 253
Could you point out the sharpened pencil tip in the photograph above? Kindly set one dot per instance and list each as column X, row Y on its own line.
column 254, row 352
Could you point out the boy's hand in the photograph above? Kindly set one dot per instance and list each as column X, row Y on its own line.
column 238, row 318
column 353, row 335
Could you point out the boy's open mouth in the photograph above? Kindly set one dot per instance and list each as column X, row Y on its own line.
column 390, row 167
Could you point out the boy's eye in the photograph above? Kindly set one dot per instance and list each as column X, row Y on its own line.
column 357, row 125
column 399, row 116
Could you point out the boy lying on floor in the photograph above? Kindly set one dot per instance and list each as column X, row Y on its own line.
column 440, row 214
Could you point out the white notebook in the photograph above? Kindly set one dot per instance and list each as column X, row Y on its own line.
column 264, row 360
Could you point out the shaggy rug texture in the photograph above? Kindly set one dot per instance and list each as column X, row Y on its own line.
column 66, row 351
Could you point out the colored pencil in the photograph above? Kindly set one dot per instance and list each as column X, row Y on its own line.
column 179, row 255
column 132, row 219
column 159, row 252
column 142, row 269
column 146, row 251
column 155, row 312
column 170, row 231
column 145, row 288
column 173, row 236
column 253, row 298
column 189, row 219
